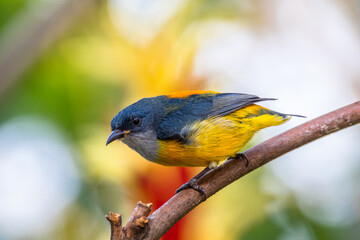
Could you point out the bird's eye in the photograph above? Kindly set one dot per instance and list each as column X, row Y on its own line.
column 136, row 121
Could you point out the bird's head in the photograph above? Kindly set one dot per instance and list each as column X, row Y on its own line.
column 134, row 119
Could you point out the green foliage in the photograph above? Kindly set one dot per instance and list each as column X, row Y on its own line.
column 58, row 90
column 291, row 223
column 8, row 9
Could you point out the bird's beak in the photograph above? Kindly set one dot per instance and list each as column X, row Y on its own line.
column 116, row 134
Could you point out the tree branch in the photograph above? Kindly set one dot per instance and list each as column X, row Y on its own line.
column 179, row 205
column 136, row 226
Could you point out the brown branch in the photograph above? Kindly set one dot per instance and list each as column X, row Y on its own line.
column 179, row 205
column 115, row 225
column 136, row 226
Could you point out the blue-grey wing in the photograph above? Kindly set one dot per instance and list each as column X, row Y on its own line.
column 185, row 111
column 181, row 112
column 226, row 103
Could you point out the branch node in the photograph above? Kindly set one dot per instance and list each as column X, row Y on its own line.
column 115, row 224
column 136, row 227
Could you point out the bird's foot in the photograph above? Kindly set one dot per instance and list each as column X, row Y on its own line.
column 192, row 183
column 241, row 157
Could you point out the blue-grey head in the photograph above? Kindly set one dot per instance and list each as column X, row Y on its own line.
column 135, row 126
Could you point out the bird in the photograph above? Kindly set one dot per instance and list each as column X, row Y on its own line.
column 194, row 128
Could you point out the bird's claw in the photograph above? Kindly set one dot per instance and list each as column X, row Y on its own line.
column 192, row 183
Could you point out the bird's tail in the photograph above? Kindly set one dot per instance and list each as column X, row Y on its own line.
column 283, row 115
column 294, row 115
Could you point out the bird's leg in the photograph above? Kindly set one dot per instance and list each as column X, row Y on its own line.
column 241, row 157
column 193, row 183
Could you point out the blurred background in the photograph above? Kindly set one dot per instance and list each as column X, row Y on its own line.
column 67, row 67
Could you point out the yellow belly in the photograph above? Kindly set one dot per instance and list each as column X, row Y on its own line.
column 217, row 138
